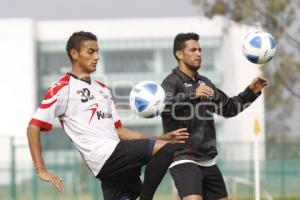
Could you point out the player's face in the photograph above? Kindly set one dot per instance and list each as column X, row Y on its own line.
column 88, row 56
column 191, row 55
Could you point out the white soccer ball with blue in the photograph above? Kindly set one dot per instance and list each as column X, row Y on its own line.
column 259, row 47
column 147, row 99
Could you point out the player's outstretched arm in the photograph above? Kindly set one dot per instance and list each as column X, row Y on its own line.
column 177, row 136
column 33, row 135
column 127, row 134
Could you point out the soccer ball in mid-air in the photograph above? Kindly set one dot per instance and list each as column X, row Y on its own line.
column 259, row 47
column 147, row 99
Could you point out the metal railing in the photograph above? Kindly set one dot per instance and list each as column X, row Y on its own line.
column 280, row 175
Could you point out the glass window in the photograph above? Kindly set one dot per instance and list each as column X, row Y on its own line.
column 121, row 97
column 57, row 139
column 53, row 63
column 208, row 58
column 128, row 61
column 146, row 129
column 168, row 60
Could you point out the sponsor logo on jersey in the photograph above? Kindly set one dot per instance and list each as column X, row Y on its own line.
column 104, row 94
column 188, row 84
column 92, row 108
column 201, row 82
column 100, row 114
column 103, row 115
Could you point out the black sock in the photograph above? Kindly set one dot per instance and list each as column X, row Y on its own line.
column 156, row 170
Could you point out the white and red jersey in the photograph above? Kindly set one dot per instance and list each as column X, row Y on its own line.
column 87, row 114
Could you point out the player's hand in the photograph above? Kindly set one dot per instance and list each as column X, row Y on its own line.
column 257, row 84
column 52, row 178
column 204, row 90
column 177, row 136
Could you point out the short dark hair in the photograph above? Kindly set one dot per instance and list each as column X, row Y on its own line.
column 181, row 38
column 76, row 40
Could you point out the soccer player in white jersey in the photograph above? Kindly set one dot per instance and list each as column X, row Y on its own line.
column 87, row 114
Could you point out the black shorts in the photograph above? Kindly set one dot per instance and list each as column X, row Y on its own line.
column 120, row 175
column 192, row 179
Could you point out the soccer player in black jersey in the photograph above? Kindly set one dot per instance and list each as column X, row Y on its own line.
column 191, row 101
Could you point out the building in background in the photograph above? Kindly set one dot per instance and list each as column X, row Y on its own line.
column 131, row 50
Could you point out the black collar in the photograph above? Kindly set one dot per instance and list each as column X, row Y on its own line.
column 74, row 76
column 184, row 77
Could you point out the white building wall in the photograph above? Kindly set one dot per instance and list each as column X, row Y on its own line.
column 17, row 86
column 17, row 83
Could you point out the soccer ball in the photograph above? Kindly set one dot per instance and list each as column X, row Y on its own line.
column 259, row 47
column 147, row 99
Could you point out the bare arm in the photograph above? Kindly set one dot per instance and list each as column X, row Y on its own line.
column 33, row 135
column 126, row 134
column 177, row 136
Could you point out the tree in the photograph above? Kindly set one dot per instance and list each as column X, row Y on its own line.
column 280, row 18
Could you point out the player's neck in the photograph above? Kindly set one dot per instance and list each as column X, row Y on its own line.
column 190, row 73
column 81, row 74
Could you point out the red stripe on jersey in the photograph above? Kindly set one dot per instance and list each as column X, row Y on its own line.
column 65, row 78
column 43, row 125
column 47, row 105
column 103, row 85
column 53, row 90
column 118, row 124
